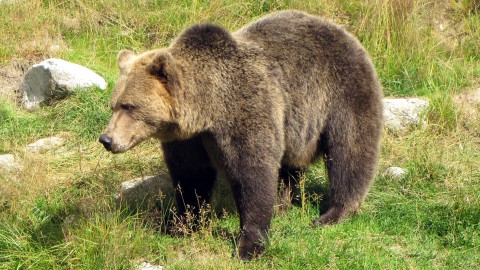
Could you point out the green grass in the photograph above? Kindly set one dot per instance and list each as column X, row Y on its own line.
column 59, row 211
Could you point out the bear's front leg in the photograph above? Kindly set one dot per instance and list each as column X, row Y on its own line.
column 193, row 176
column 254, row 189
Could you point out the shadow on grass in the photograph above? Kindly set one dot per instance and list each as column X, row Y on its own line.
column 49, row 233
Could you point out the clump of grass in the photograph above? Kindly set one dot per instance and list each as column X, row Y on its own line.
column 469, row 6
column 19, row 125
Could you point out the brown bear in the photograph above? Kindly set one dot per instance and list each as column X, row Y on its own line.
column 261, row 103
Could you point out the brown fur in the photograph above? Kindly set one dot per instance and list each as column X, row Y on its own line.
column 271, row 97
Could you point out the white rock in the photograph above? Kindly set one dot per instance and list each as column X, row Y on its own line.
column 400, row 113
column 137, row 190
column 56, row 78
column 395, row 173
column 54, row 48
column 45, row 144
column 147, row 266
column 8, row 162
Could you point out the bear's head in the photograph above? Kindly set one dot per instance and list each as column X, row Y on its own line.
column 171, row 93
column 142, row 101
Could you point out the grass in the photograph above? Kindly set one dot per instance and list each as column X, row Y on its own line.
column 59, row 211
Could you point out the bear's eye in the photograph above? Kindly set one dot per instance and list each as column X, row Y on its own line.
column 127, row 107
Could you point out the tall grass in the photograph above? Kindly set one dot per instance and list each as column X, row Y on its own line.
column 428, row 56
column 92, row 32
column 59, row 211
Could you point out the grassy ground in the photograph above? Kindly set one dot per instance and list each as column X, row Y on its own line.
column 58, row 212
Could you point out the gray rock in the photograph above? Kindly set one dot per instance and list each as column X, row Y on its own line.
column 45, row 144
column 148, row 266
column 402, row 113
column 8, row 162
column 138, row 190
column 395, row 173
column 56, row 78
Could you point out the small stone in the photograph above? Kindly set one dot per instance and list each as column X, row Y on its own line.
column 54, row 48
column 136, row 191
column 395, row 173
column 8, row 162
column 45, row 144
column 401, row 113
column 148, row 266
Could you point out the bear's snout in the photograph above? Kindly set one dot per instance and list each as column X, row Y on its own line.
column 106, row 141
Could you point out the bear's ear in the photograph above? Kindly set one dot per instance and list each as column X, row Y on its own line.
column 163, row 67
column 123, row 60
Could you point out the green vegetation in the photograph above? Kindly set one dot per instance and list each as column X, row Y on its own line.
column 59, row 211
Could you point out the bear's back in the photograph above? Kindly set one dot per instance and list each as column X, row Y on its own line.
column 300, row 37
column 320, row 67
column 301, row 49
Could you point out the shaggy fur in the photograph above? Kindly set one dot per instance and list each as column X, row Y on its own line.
column 264, row 101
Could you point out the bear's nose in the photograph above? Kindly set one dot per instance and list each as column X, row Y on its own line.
column 106, row 141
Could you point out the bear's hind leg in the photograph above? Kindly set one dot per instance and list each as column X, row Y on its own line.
column 351, row 157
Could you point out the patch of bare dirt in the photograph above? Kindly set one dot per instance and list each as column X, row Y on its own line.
column 10, row 79
column 469, row 103
column 12, row 74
